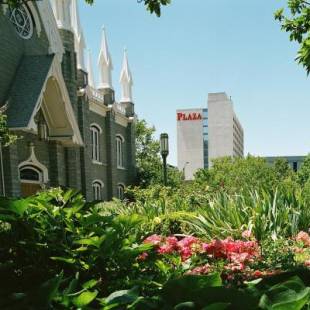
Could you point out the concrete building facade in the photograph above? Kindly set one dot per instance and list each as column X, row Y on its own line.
column 207, row 134
column 71, row 132
column 295, row 162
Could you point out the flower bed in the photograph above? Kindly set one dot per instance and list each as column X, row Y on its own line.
column 236, row 260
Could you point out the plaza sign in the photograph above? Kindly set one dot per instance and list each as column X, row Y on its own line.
column 189, row 116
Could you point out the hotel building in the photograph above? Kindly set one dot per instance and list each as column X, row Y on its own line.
column 208, row 133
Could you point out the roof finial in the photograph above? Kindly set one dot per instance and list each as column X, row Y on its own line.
column 126, row 80
column 105, row 63
column 79, row 41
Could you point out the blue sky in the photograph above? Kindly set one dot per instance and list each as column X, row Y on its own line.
column 202, row 46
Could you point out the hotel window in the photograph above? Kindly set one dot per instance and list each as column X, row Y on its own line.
column 120, row 151
column 95, row 142
column 97, row 190
column 120, row 191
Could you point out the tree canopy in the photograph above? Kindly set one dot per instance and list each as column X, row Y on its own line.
column 149, row 163
column 153, row 6
column 296, row 21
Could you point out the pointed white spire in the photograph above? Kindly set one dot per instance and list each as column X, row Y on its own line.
column 91, row 81
column 126, row 80
column 61, row 9
column 105, row 64
column 79, row 41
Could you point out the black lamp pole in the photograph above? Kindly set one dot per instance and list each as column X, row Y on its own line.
column 164, row 151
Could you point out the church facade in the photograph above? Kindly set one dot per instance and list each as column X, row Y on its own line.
column 71, row 132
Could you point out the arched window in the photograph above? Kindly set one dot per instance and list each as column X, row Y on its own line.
column 120, row 191
column 97, row 190
column 22, row 21
column 95, row 141
column 119, row 151
column 30, row 174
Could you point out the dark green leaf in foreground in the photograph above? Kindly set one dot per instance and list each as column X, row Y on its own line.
column 85, row 298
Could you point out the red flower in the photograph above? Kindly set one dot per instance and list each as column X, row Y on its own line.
column 154, row 239
column 143, row 256
column 257, row 274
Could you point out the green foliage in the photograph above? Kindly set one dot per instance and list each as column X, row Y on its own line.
column 57, row 252
column 304, row 172
column 298, row 26
column 6, row 137
column 235, row 175
column 148, row 159
column 153, row 6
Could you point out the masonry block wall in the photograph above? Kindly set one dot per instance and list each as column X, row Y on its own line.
column 67, row 166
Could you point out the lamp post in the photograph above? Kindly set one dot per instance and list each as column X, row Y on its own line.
column 164, row 151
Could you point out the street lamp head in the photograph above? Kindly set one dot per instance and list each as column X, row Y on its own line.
column 164, row 144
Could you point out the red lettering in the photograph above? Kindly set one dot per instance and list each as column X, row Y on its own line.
column 189, row 117
column 180, row 116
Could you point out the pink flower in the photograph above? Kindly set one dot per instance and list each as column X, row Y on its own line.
column 165, row 249
column 235, row 267
column 205, row 269
column 246, row 234
column 173, row 241
column 186, row 253
column 304, row 238
column 143, row 256
column 307, row 263
column 154, row 239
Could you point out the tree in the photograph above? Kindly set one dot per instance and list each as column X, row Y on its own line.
column 297, row 23
column 303, row 174
column 154, row 6
column 282, row 169
column 237, row 175
column 148, row 159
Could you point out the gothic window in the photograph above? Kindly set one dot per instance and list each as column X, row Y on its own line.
column 97, row 190
column 120, row 151
column 30, row 174
column 120, row 191
column 22, row 21
column 95, row 140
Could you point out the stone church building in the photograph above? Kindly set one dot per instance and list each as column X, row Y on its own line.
column 71, row 133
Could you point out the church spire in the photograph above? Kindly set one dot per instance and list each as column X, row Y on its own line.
column 79, row 41
column 126, row 80
column 61, row 9
column 91, row 81
column 105, row 64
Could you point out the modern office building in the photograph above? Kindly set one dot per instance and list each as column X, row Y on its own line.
column 295, row 162
column 72, row 132
column 207, row 133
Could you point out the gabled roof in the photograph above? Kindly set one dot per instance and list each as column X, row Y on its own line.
column 26, row 97
column 27, row 88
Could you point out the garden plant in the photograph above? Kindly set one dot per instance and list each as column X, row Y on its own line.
column 237, row 237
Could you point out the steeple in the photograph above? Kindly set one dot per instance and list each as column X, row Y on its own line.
column 61, row 9
column 126, row 80
column 79, row 42
column 91, row 81
column 105, row 64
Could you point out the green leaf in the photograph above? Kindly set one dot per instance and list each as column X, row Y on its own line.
column 94, row 241
column 217, row 306
column 119, row 298
column 185, row 305
column 64, row 259
column 90, row 284
column 19, row 206
column 85, row 298
column 289, row 295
